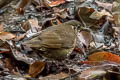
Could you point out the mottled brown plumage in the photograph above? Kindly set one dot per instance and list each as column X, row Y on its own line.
column 56, row 41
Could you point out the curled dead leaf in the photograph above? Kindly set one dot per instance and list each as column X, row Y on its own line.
column 36, row 68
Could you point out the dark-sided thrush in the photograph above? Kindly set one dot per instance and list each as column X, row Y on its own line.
column 57, row 41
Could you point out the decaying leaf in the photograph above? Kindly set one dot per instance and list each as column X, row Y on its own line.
column 1, row 27
column 117, row 19
column 83, row 14
column 22, row 5
column 53, row 3
column 100, row 72
column 32, row 27
column 36, row 68
column 116, row 7
column 85, row 37
column 21, row 56
column 107, row 6
column 91, row 74
column 104, row 56
column 62, row 13
column 9, row 64
column 31, row 23
column 59, row 76
column 98, row 15
column 6, row 36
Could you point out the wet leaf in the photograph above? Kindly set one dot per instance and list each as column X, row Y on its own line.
column 36, row 68
column 104, row 56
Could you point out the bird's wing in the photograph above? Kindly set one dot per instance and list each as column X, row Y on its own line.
column 50, row 39
column 62, row 36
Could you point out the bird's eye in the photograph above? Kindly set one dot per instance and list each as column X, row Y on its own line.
column 78, row 26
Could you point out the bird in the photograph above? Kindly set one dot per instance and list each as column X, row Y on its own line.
column 57, row 41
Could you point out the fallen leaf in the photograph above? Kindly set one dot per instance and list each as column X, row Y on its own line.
column 1, row 27
column 36, row 68
column 54, row 3
column 116, row 7
column 91, row 74
column 6, row 36
column 98, row 15
column 117, row 29
column 85, row 37
column 59, row 76
column 19, row 37
column 30, row 24
column 22, row 4
column 107, row 6
column 83, row 14
column 3, row 50
column 117, row 19
column 9, row 64
column 104, row 56
column 100, row 71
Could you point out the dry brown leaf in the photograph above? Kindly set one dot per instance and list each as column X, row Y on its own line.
column 30, row 24
column 99, row 71
column 36, row 68
column 107, row 6
column 54, row 77
column 54, row 3
column 98, row 15
column 104, row 56
column 9, row 64
column 22, row 5
column 6, row 36
column 91, row 74
column 1, row 27
column 19, row 37
column 85, row 37
column 117, row 19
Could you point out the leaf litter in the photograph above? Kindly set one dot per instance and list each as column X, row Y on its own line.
column 95, row 57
